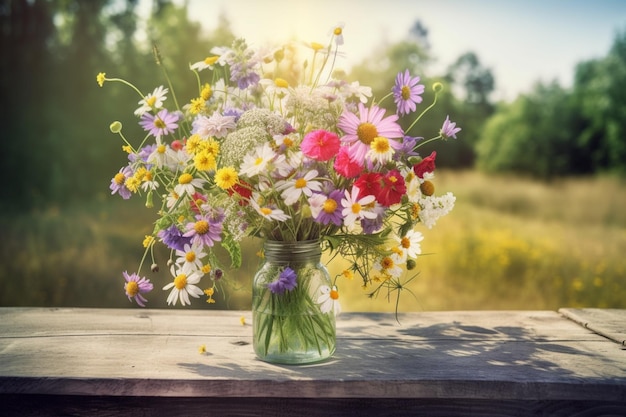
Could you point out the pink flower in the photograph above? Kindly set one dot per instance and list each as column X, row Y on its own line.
column 361, row 130
column 320, row 145
column 345, row 165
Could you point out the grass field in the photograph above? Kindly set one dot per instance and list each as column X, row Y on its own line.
column 510, row 243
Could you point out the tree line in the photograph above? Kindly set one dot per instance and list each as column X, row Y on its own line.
column 57, row 148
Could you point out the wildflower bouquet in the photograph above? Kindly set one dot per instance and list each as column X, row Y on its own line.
column 284, row 155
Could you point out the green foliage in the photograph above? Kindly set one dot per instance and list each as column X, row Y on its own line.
column 531, row 135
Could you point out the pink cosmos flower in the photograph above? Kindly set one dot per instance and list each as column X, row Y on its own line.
column 161, row 124
column 320, row 145
column 361, row 130
column 407, row 92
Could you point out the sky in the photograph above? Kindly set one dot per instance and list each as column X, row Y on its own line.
column 521, row 41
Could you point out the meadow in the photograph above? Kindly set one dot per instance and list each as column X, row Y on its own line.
column 510, row 243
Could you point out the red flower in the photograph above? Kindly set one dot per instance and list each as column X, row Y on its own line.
column 393, row 188
column 197, row 200
column 369, row 184
column 320, row 145
column 426, row 165
column 243, row 189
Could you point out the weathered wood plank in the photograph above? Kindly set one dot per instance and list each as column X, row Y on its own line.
column 54, row 406
column 610, row 323
column 535, row 356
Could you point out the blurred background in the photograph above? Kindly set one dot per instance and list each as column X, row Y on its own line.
column 538, row 87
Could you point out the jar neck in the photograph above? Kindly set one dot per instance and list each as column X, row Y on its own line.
column 279, row 251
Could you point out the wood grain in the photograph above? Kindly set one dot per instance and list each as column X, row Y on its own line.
column 519, row 361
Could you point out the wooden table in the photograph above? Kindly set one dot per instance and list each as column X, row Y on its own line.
column 102, row 362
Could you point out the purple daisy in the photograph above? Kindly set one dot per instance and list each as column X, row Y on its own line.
column 360, row 131
column 135, row 287
column 408, row 148
column 118, row 183
column 161, row 124
column 331, row 209
column 449, row 129
column 286, row 281
column 204, row 230
column 173, row 238
column 407, row 92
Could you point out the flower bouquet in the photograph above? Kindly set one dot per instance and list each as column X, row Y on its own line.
column 293, row 155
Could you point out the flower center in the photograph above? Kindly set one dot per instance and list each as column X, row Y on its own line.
column 185, row 178
column 119, row 178
column 258, row 161
column 300, row 183
column 288, row 142
column 266, row 211
column 405, row 243
column 392, row 179
column 210, row 60
column 161, row 149
column 158, row 123
column 330, row 206
column 180, row 281
column 201, row 227
column 190, row 256
column 281, row 83
column 380, row 145
column 406, row 92
column 356, row 208
column 337, row 31
column 334, row 294
column 386, row 263
column 132, row 288
column 150, row 101
column 366, row 132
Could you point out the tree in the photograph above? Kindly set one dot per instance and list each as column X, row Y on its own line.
column 601, row 98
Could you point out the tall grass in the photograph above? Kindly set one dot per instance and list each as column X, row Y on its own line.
column 510, row 243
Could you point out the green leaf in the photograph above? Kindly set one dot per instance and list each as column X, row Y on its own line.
column 234, row 250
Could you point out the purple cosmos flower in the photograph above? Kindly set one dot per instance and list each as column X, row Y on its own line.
column 449, row 129
column 407, row 149
column 331, row 209
column 286, row 281
column 407, row 92
column 204, row 230
column 173, row 238
column 161, row 124
column 118, row 183
column 135, row 287
column 374, row 225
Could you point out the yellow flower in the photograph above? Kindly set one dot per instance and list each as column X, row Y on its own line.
column 202, row 349
column 197, row 105
column 347, row 274
column 209, row 293
column 147, row 241
column 204, row 161
column 242, row 320
column 206, row 92
column 101, row 78
column 226, row 177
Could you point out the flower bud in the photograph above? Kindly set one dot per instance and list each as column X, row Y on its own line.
column 437, row 87
column 427, row 188
column 154, row 268
column 414, row 160
column 410, row 264
column 149, row 200
column 116, row 127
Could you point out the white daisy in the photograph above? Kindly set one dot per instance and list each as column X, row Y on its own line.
column 329, row 300
column 267, row 212
column 257, row 162
column 187, row 184
column 152, row 101
column 208, row 62
column 183, row 286
column 294, row 188
column 190, row 258
column 388, row 266
column 354, row 208
column 410, row 243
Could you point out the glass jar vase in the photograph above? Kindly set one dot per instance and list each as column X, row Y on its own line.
column 289, row 292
